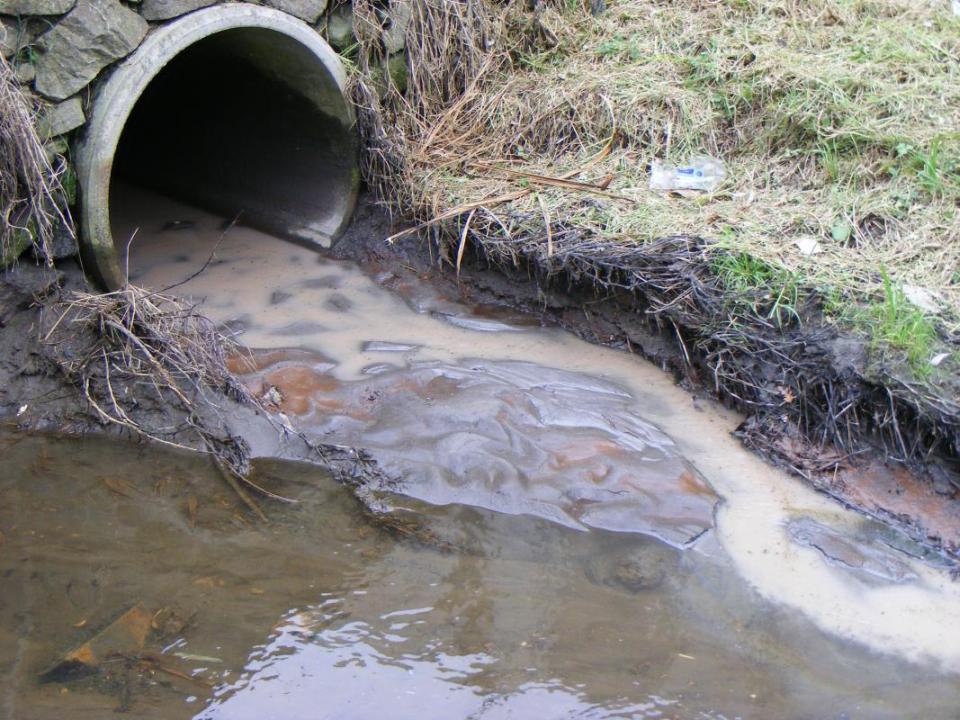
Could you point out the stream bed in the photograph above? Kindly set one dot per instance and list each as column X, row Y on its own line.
column 572, row 534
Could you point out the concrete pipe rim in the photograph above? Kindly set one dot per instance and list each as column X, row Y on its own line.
column 118, row 95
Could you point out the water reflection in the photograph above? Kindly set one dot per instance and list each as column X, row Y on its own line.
column 326, row 613
column 344, row 674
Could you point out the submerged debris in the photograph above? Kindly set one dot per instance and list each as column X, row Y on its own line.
column 125, row 636
column 868, row 559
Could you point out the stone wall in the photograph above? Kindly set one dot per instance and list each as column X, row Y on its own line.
column 61, row 49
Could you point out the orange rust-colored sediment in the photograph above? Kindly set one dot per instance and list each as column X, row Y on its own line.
column 896, row 491
column 297, row 386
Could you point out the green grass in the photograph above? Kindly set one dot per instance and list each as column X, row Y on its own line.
column 838, row 121
column 899, row 324
column 770, row 292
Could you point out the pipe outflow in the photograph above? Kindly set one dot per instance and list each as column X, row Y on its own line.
column 237, row 108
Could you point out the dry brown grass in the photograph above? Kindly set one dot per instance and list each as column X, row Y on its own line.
column 133, row 349
column 31, row 196
column 837, row 120
column 452, row 49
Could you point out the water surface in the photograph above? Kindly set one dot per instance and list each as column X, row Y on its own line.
column 326, row 614
column 567, row 534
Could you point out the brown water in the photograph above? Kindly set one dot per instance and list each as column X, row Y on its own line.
column 588, row 542
column 323, row 614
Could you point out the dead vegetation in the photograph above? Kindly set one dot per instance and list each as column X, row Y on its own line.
column 149, row 363
column 524, row 138
column 31, row 195
column 836, row 120
column 453, row 48
column 131, row 349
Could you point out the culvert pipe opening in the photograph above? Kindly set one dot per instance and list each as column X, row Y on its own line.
column 237, row 109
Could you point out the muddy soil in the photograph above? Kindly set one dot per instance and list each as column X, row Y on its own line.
column 35, row 395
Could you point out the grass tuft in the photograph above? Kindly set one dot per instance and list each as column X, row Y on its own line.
column 899, row 324
column 31, row 196
column 770, row 292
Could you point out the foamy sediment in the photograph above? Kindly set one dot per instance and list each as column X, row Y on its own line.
column 284, row 296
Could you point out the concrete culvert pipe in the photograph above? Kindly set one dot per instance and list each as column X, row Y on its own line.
column 237, row 108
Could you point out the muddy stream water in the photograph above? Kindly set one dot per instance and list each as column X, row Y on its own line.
column 590, row 542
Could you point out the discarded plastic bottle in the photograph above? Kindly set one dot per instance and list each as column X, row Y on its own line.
column 701, row 173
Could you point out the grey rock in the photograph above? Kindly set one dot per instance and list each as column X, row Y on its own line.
column 61, row 118
column 8, row 37
column 634, row 569
column 308, row 10
column 36, row 7
column 20, row 239
column 62, row 245
column 25, row 73
column 394, row 37
column 93, row 35
column 55, row 148
column 14, row 36
column 165, row 9
column 340, row 27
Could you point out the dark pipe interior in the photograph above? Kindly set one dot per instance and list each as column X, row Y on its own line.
column 237, row 124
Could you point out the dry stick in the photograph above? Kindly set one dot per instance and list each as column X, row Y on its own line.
column 683, row 345
column 161, row 371
column 155, row 663
column 460, row 210
column 896, row 425
column 126, row 259
column 103, row 413
column 123, row 419
column 546, row 222
column 591, row 188
column 206, row 264
column 241, row 477
column 463, row 239
column 498, row 199
column 263, row 491
column 231, row 477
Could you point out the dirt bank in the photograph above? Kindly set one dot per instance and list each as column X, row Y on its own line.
column 787, row 387
column 40, row 391
column 800, row 286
